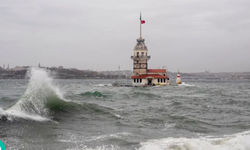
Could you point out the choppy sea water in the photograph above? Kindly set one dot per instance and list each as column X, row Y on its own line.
column 44, row 113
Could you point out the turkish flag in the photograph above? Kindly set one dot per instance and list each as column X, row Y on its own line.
column 142, row 21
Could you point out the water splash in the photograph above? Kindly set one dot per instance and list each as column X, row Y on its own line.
column 32, row 104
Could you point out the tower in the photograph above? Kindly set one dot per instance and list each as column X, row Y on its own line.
column 140, row 57
column 178, row 79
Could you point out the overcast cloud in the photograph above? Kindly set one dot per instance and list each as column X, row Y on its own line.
column 190, row 35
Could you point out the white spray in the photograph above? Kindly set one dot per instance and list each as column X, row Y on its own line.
column 32, row 103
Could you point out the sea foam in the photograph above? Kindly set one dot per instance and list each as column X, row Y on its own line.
column 184, row 84
column 238, row 141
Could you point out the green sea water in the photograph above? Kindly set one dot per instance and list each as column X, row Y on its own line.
column 44, row 113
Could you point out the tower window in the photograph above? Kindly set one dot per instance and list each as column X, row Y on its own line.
column 137, row 62
column 134, row 80
column 158, row 80
column 137, row 53
column 140, row 80
column 164, row 80
column 142, row 53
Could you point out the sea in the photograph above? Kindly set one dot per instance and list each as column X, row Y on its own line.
column 91, row 114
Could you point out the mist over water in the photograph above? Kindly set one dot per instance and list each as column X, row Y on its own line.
column 43, row 113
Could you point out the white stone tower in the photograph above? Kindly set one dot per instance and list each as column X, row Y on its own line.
column 140, row 58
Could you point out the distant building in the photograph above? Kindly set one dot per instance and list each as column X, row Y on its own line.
column 53, row 67
column 73, row 69
column 60, row 67
column 19, row 68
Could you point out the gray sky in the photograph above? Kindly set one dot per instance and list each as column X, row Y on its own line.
column 190, row 35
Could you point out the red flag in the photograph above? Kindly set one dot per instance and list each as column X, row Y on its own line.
column 142, row 21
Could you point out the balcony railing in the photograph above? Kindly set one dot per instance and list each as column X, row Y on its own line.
column 140, row 57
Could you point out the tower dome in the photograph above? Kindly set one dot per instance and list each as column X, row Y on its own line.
column 140, row 45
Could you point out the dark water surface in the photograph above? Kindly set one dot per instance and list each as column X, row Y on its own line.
column 43, row 113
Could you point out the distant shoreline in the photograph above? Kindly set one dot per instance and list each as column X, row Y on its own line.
column 59, row 74
column 63, row 73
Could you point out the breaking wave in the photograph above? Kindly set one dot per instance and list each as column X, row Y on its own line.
column 42, row 100
column 238, row 141
column 32, row 104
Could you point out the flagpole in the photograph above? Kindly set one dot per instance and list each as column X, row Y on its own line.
column 140, row 26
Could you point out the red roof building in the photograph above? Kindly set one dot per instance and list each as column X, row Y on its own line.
column 142, row 76
column 152, row 76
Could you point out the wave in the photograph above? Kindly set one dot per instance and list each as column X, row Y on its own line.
column 103, row 85
column 146, row 94
column 94, row 93
column 184, row 84
column 6, row 101
column 32, row 104
column 238, row 141
column 42, row 100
